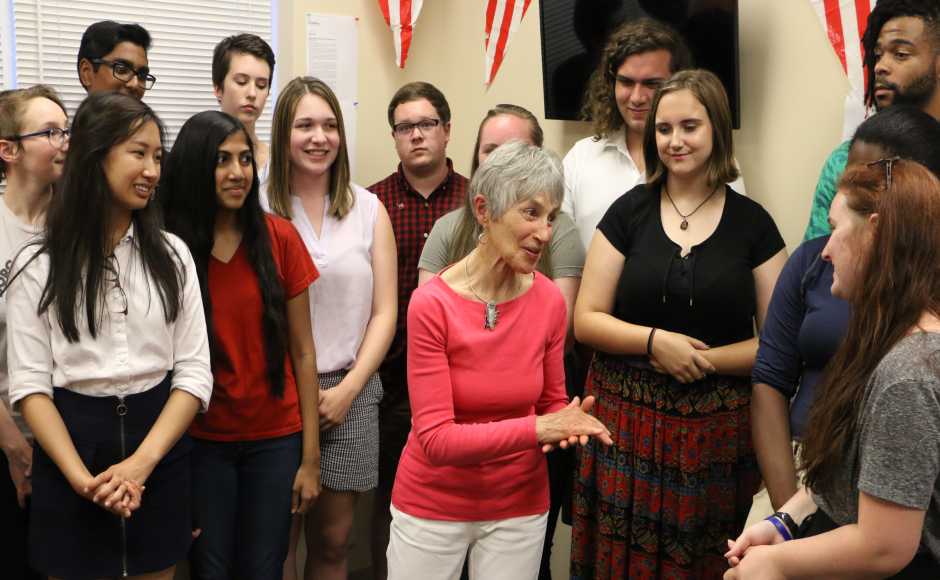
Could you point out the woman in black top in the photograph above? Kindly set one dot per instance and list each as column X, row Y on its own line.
column 676, row 276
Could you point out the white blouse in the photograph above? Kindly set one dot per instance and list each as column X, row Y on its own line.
column 135, row 346
column 341, row 298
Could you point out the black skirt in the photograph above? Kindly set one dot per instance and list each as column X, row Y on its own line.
column 71, row 537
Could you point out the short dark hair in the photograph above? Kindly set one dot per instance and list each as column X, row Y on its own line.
column 634, row 37
column 416, row 91
column 101, row 37
column 239, row 44
column 904, row 131
column 885, row 10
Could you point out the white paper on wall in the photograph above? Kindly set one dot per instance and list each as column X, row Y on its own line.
column 333, row 57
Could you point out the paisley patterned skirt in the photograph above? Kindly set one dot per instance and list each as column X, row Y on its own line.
column 675, row 485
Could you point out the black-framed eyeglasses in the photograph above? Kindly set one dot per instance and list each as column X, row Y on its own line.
column 424, row 125
column 888, row 162
column 55, row 135
column 112, row 270
column 124, row 72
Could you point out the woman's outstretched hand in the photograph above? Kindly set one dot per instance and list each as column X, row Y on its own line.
column 572, row 425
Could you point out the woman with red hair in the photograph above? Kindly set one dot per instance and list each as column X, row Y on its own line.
column 872, row 451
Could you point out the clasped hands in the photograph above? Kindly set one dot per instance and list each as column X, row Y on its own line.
column 570, row 426
column 119, row 488
column 749, row 555
column 680, row 356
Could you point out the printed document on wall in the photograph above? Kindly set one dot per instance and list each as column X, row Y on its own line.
column 333, row 57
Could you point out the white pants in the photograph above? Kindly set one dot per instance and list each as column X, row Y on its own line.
column 421, row 549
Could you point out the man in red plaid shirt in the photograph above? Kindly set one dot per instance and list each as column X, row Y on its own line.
column 424, row 188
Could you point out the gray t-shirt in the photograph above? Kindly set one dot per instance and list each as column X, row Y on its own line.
column 896, row 456
column 567, row 252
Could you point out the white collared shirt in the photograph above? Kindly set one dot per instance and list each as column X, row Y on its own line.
column 133, row 351
column 596, row 174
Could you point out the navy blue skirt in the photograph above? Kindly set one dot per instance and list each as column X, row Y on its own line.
column 71, row 537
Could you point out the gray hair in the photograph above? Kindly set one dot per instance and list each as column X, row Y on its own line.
column 515, row 172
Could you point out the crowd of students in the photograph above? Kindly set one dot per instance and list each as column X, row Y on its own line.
column 209, row 348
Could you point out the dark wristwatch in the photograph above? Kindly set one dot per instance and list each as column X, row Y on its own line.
column 788, row 522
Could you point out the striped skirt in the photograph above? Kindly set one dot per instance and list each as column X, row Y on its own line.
column 675, row 485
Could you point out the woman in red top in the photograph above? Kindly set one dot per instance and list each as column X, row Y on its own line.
column 487, row 388
column 256, row 455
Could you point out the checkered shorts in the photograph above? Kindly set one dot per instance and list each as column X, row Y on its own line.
column 349, row 453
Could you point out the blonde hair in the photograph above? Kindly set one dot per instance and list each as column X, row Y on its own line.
column 340, row 193
column 13, row 105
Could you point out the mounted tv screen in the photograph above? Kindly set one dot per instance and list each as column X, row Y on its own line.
column 574, row 33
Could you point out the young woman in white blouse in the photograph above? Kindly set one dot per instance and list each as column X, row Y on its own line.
column 108, row 357
column 353, row 305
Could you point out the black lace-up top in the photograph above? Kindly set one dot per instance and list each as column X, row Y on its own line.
column 707, row 294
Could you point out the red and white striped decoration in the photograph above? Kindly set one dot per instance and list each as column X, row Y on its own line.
column 502, row 20
column 401, row 16
column 844, row 22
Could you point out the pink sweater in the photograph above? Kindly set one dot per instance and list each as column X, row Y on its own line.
column 472, row 453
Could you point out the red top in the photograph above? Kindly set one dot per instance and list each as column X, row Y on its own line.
column 242, row 406
column 472, row 454
column 412, row 218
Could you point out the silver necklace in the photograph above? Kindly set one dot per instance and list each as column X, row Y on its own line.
column 685, row 221
column 491, row 315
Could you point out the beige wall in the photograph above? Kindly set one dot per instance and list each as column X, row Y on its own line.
column 792, row 89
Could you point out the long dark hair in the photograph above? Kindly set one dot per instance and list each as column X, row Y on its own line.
column 78, row 224
column 898, row 281
column 188, row 196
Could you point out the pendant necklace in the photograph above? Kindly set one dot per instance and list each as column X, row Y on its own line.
column 491, row 314
column 685, row 218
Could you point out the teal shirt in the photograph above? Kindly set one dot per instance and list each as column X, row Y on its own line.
column 825, row 190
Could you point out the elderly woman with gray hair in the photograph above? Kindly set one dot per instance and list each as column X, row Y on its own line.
column 487, row 387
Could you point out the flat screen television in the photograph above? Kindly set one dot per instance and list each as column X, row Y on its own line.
column 574, row 33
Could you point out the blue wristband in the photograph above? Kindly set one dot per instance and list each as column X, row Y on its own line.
column 781, row 527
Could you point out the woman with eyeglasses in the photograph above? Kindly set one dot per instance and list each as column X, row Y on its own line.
column 33, row 144
column 805, row 322
column 256, row 451
column 108, row 358
column 869, row 508
column 353, row 307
